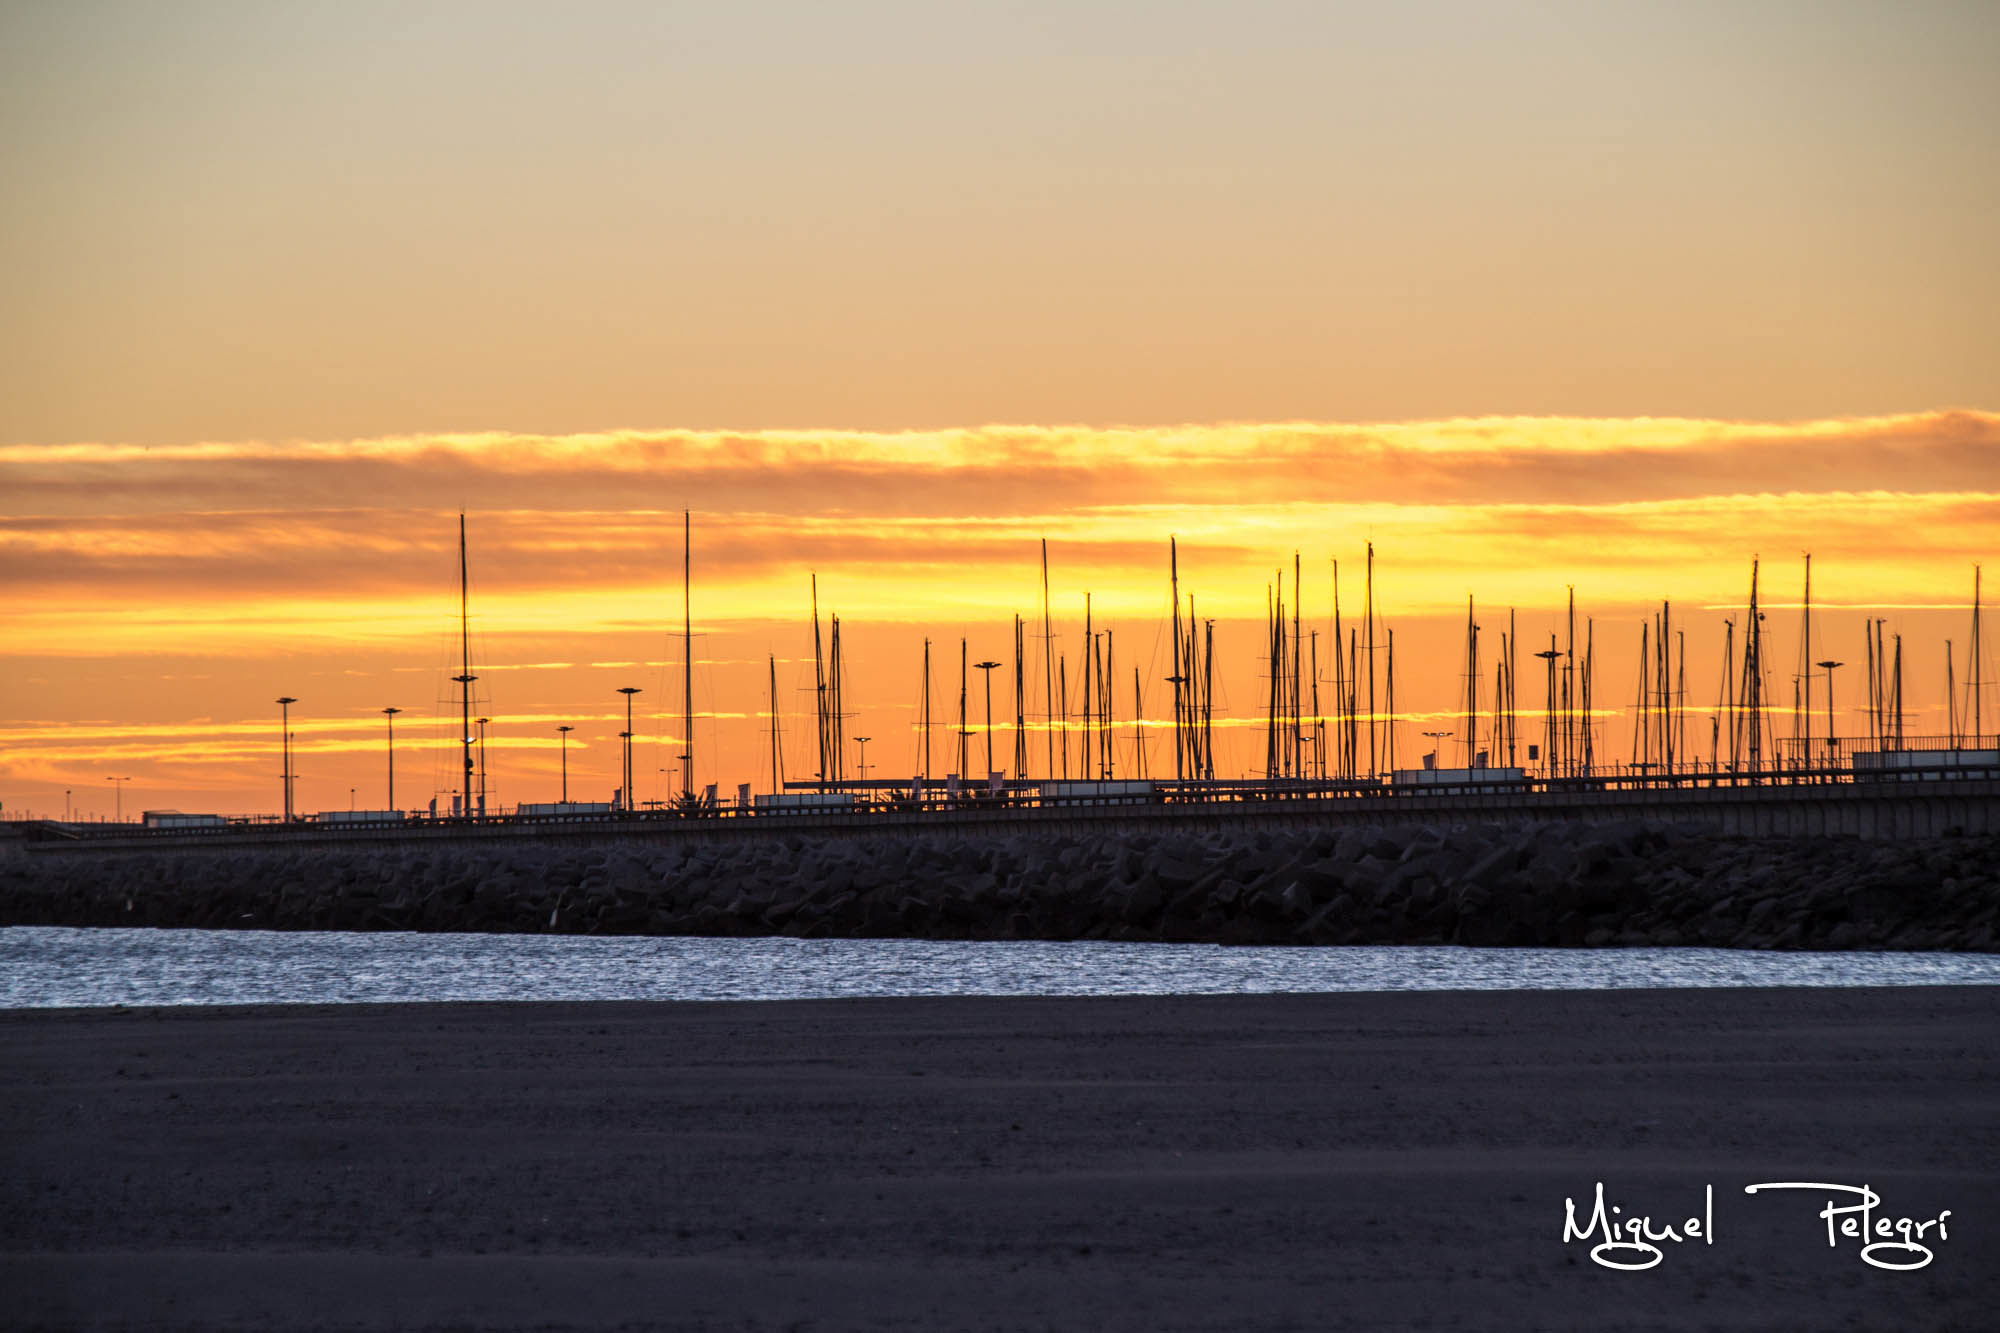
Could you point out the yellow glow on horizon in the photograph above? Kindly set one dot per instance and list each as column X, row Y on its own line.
column 305, row 586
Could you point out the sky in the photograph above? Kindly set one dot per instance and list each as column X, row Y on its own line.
column 1606, row 296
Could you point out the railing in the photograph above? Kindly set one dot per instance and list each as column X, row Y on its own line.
column 1788, row 767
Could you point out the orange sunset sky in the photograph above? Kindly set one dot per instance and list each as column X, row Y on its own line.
column 1603, row 296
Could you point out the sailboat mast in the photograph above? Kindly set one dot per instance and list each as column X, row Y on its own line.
column 777, row 754
column 687, row 653
column 465, row 676
column 926, row 771
column 1048, row 662
column 1368, row 656
column 819, row 688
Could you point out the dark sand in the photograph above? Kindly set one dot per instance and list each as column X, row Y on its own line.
column 1365, row 1161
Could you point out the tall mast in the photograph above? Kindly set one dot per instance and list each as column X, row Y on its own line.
column 1085, row 761
column 1569, row 699
column 1897, row 696
column 465, row 676
column 687, row 653
column 1138, row 723
column 1725, row 700
column 1950, row 700
column 1048, row 660
column 835, row 719
column 1390, row 700
column 1273, row 653
column 1319, row 723
column 1752, row 693
column 1062, row 685
column 1368, row 617
column 1110, row 748
column 1020, row 699
column 1297, row 724
column 1340, row 710
column 1179, row 676
column 1806, row 669
column 963, row 660
column 1589, row 674
column 1642, row 712
column 1209, row 695
column 1978, row 678
column 926, row 771
column 1471, row 693
column 819, row 689
column 777, row 752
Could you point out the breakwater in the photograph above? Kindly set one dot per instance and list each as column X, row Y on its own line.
column 1548, row 884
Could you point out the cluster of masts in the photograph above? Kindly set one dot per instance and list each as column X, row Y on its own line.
column 1354, row 741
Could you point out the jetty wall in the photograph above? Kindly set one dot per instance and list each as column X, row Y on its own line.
column 1277, row 879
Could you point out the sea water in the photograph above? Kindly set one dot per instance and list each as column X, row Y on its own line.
column 51, row 966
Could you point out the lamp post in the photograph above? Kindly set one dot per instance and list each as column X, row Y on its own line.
column 987, row 669
column 118, row 799
column 1549, row 733
column 626, row 736
column 1828, row 667
column 66, row 794
column 390, row 713
column 285, row 730
column 863, row 740
column 565, row 729
column 481, row 724
column 1437, row 738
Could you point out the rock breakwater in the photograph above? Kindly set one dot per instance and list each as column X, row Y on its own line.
column 1552, row 884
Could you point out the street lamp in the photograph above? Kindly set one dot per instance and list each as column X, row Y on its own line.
column 1437, row 738
column 987, row 668
column 565, row 729
column 1828, row 668
column 117, row 786
column 390, row 713
column 481, row 724
column 1550, row 655
column 863, row 740
column 285, row 729
column 626, row 736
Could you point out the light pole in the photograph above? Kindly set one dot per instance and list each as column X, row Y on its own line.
column 66, row 814
column 565, row 729
column 390, row 713
column 1550, row 656
column 285, row 729
column 118, row 799
column 864, row 757
column 481, row 724
column 626, row 736
column 987, row 669
column 1828, row 668
column 1437, row 738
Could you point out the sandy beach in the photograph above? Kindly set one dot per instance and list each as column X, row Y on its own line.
column 1375, row 1161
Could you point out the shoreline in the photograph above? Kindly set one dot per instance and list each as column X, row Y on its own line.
column 1360, row 1159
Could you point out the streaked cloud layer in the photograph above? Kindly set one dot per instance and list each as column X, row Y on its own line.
column 234, row 565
